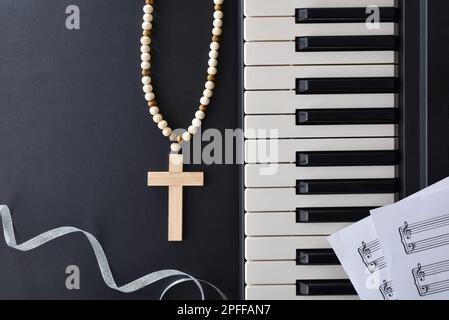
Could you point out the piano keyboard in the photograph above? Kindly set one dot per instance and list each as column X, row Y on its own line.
column 321, row 141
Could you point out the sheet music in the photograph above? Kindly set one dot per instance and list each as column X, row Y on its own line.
column 361, row 255
column 414, row 235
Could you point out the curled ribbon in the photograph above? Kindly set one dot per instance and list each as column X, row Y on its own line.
column 103, row 264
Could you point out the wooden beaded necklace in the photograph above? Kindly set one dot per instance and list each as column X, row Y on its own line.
column 209, row 85
column 175, row 179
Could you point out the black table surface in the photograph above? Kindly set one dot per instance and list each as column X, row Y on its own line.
column 76, row 143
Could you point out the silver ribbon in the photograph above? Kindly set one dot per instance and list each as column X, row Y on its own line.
column 103, row 264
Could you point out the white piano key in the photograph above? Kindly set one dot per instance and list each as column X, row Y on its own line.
column 281, row 248
column 287, row 272
column 258, row 8
column 286, row 199
column 286, row 127
column 286, row 29
column 285, row 175
column 285, row 292
column 284, row 77
column 287, row 102
column 284, row 150
column 284, row 224
column 283, row 53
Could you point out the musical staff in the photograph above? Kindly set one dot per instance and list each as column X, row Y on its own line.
column 432, row 279
column 425, row 235
column 372, row 256
column 387, row 290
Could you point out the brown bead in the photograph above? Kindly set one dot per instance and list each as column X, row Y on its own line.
column 216, row 38
column 217, row 7
column 152, row 103
column 179, row 139
column 149, row 1
column 211, row 77
column 146, row 33
column 145, row 72
column 202, row 108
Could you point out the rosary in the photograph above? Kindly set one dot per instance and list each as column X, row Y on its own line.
column 175, row 179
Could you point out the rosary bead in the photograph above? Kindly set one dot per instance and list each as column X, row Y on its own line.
column 217, row 31
column 149, row 1
column 214, row 46
column 186, row 136
column 148, row 17
column 200, row 115
column 216, row 38
column 167, row 132
column 179, row 139
column 213, row 54
column 146, row 80
column 149, row 96
column 147, row 25
column 211, row 77
column 218, row 1
column 213, row 62
column 147, row 88
column 162, row 125
column 157, row 118
column 145, row 72
column 218, row 14
column 217, row 7
column 173, row 137
column 146, row 33
column 145, row 65
column 145, row 57
column 175, row 147
column 208, row 93
column 218, row 23
column 210, row 85
column 145, row 41
column 202, row 108
column 212, row 70
column 154, row 111
column 145, row 49
column 148, row 9
column 204, row 101
column 196, row 123
column 192, row 130
column 152, row 103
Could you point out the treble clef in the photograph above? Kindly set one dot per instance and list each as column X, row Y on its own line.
column 407, row 231
column 366, row 251
column 420, row 273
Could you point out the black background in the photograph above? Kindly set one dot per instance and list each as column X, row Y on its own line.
column 76, row 143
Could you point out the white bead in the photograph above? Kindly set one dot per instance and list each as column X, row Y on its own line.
column 192, row 130
column 218, row 14
column 145, row 49
column 213, row 62
column 145, row 41
column 175, row 147
column 212, row 71
column 147, row 88
column 210, row 85
column 217, row 31
column 173, row 137
column 208, row 93
column 148, row 17
column 213, row 54
column 204, row 101
column 149, row 96
column 148, row 8
column 154, row 111
column 200, row 115
column 145, row 65
column 162, row 125
column 196, row 123
column 145, row 57
column 214, row 46
column 218, row 1
column 218, row 23
column 147, row 26
column 146, row 80
column 167, row 132
column 186, row 136
column 157, row 118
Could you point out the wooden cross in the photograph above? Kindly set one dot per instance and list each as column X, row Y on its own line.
column 175, row 179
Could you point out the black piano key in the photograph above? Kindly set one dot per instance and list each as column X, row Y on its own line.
column 346, row 85
column 324, row 288
column 352, row 186
column 332, row 215
column 347, row 43
column 344, row 15
column 347, row 116
column 347, row 158
column 316, row 257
